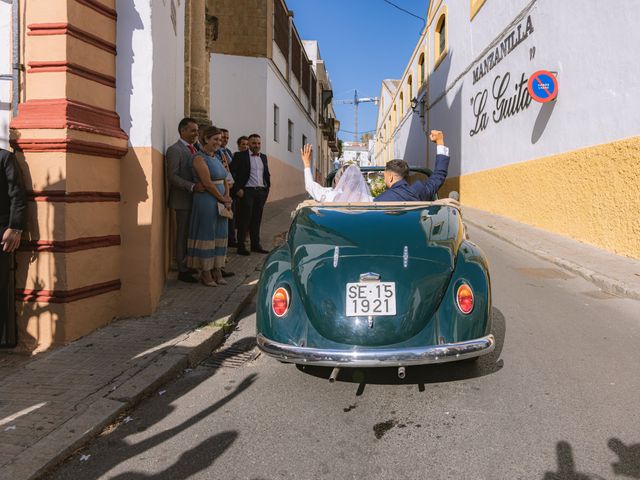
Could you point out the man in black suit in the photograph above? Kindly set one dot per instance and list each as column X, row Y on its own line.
column 251, row 189
column 12, row 216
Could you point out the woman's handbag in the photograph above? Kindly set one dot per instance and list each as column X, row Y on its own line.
column 224, row 211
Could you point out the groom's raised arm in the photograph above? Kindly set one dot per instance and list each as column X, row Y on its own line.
column 429, row 189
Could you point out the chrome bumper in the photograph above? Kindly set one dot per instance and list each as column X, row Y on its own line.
column 377, row 357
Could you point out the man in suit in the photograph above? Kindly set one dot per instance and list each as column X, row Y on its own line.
column 227, row 156
column 12, row 219
column 396, row 172
column 181, row 186
column 223, row 147
column 251, row 189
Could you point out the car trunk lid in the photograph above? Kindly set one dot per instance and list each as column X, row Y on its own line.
column 414, row 248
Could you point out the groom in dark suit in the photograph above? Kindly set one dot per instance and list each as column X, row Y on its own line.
column 396, row 172
column 251, row 189
column 180, row 188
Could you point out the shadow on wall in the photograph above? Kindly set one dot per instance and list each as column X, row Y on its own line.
column 413, row 152
column 36, row 273
column 542, row 120
column 448, row 113
column 136, row 233
column 128, row 22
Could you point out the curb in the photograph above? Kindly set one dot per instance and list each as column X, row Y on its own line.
column 607, row 284
column 56, row 447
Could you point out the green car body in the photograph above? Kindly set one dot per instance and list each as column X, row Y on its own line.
column 419, row 246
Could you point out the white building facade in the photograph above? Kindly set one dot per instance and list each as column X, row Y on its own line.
column 534, row 162
column 355, row 152
column 267, row 85
column 5, row 73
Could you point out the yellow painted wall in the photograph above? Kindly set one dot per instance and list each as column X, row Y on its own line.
column 143, row 216
column 591, row 194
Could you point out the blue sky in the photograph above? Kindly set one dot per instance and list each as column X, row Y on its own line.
column 361, row 42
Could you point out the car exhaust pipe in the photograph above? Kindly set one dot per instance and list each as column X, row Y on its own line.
column 334, row 375
column 401, row 373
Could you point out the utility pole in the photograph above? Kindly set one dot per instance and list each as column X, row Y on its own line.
column 356, row 102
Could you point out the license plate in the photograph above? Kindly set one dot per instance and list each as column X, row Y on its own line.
column 372, row 298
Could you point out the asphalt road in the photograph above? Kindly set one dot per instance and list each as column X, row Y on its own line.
column 558, row 399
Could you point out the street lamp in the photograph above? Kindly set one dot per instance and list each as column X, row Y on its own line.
column 418, row 106
column 414, row 104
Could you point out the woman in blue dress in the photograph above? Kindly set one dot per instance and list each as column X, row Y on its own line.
column 208, row 230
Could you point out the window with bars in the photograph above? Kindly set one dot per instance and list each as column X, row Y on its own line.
column 296, row 57
column 440, row 38
column 281, row 27
column 290, row 137
column 306, row 75
column 314, row 91
column 276, row 123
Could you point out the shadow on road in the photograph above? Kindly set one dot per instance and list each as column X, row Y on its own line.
column 424, row 374
column 628, row 464
column 113, row 447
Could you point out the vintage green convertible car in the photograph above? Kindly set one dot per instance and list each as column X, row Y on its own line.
column 375, row 285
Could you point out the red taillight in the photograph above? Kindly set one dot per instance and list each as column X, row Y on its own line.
column 464, row 298
column 280, row 301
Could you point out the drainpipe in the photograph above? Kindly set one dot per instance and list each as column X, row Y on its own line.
column 15, row 55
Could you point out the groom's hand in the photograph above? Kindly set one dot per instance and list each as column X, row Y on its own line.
column 437, row 137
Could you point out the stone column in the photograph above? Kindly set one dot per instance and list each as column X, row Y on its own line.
column 199, row 63
column 68, row 138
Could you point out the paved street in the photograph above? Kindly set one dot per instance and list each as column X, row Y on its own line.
column 558, row 399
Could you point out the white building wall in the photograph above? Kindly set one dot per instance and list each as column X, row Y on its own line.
column 290, row 109
column 134, row 66
column 587, row 43
column 279, row 59
column 238, row 91
column 150, row 86
column 5, row 69
column 295, row 84
column 168, row 72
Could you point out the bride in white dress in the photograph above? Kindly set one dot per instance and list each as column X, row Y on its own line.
column 351, row 186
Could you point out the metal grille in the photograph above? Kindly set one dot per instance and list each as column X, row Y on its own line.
column 281, row 34
column 296, row 57
column 235, row 355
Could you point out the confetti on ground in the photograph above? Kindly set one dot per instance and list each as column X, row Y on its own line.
column 9, row 428
column 84, row 458
column 162, row 392
column 187, row 370
column 127, row 419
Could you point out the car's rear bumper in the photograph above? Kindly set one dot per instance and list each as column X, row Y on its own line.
column 377, row 357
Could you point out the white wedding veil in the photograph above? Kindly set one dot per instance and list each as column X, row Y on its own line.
column 352, row 187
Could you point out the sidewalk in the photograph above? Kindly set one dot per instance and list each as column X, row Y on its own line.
column 55, row 402
column 612, row 273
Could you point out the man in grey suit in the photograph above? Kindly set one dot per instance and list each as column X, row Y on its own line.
column 181, row 186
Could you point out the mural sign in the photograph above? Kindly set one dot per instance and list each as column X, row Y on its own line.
column 543, row 86
column 509, row 93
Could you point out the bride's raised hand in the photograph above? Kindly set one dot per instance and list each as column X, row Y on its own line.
column 306, row 153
